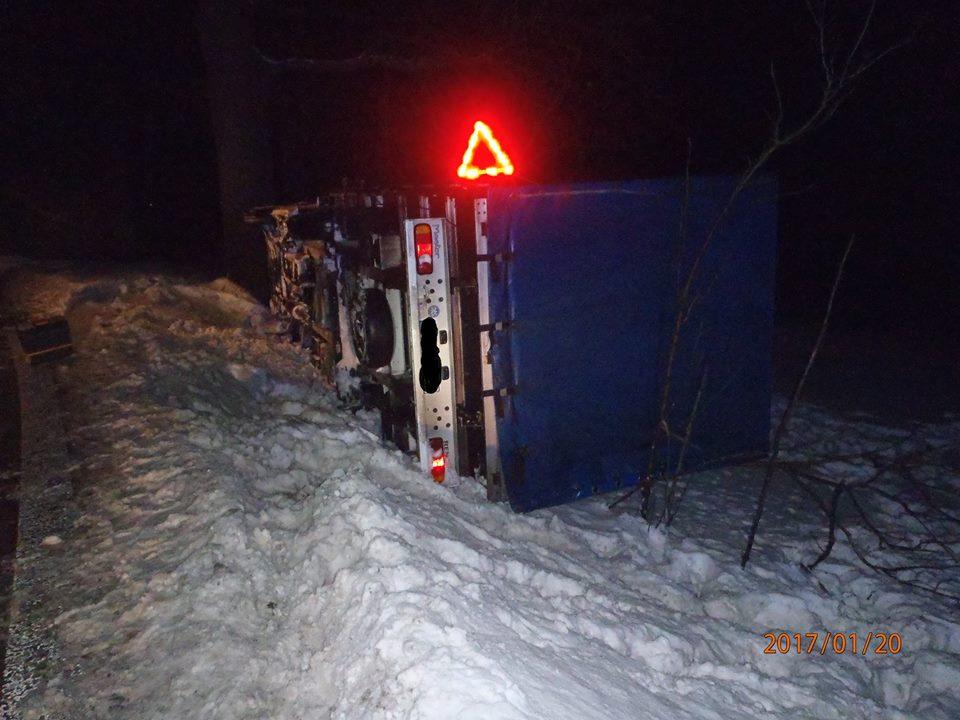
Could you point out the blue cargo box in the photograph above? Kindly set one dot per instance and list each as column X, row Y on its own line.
column 588, row 295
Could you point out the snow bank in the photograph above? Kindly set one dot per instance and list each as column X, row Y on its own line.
column 245, row 549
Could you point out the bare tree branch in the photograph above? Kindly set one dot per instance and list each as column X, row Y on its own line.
column 832, row 529
column 778, row 123
column 791, row 404
column 672, row 500
column 366, row 60
column 856, row 46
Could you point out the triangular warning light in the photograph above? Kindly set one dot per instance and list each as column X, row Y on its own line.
column 481, row 131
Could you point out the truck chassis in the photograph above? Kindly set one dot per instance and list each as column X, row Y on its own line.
column 387, row 291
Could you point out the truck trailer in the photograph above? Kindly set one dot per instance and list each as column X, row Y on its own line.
column 523, row 334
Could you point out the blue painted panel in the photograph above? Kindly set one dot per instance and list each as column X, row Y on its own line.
column 589, row 288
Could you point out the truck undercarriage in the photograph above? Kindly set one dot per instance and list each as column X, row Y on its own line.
column 381, row 288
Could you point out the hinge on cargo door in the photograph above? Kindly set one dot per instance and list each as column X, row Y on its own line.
column 500, row 392
column 496, row 262
column 498, row 257
column 499, row 395
column 491, row 328
column 501, row 325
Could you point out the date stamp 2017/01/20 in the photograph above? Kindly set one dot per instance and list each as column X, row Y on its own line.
column 821, row 643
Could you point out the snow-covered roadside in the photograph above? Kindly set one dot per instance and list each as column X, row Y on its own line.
column 243, row 549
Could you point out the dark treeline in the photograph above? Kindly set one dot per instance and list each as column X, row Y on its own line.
column 118, row 113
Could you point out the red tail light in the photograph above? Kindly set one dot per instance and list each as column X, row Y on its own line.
column 438, row 460
column 423, row 242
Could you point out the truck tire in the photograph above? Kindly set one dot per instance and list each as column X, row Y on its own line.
column 371, row 329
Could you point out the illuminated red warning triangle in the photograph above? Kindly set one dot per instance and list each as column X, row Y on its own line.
column 482, row 132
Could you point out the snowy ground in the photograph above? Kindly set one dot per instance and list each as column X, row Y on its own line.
column 233, row 545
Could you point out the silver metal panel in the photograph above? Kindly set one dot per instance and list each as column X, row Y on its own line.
column 451, row 209
column 486, row 368
column 429, row 296
column 398, row 363
column 455, row 310
column 457, row 340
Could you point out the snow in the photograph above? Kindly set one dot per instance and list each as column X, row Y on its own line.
column 235, row 545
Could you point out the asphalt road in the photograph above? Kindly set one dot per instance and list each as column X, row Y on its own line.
column 9, row 485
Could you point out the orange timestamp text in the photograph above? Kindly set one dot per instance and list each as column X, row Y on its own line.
column 821, row 643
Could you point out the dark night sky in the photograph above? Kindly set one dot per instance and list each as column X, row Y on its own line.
column 110, row 152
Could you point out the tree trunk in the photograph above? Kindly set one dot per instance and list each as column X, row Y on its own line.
column 238, row 94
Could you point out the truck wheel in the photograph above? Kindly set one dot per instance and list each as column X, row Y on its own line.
column 371, row 328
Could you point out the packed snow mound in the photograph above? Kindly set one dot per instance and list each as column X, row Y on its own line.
column 38, row 293
column 223, row 302
column 243, row 548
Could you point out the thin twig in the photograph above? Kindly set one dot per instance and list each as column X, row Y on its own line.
column 832, row 528
column 669, row 511
column 791, row 404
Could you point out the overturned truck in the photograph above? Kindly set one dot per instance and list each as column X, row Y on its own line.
column 529, row 335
